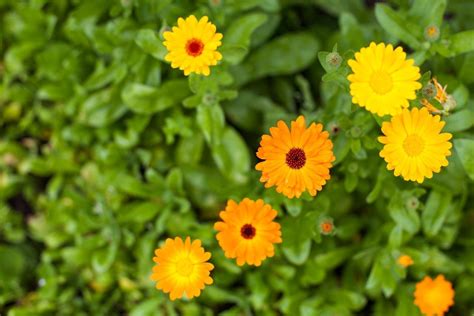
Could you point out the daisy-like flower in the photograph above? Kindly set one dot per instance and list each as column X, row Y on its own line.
column 247, row 231
column 413, row 145
column 192, row 45
column 295, row 160
column 383, row 80
column 182, row 268
column 434, row 297
column 405, row 261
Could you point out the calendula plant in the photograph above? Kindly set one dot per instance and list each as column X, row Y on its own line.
column 231, row 157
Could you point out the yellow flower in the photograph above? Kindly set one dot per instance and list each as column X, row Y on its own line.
column 383, row 80
column 441, row 96
column 434, row 297
column 192, row 45
column 295, row 160
column 247, row 231
column 405, row 261
column 181, row 268
column 413, row 145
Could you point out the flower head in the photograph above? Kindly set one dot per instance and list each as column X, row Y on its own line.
column 181, row 268
column 383, row 80
column 405, row 261
column 192, row 45
column 295, row 160
column 434, row 297
column 414, row 146
column 247, row 231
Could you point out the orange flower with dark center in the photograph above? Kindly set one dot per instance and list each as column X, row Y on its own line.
column 247, row 231
column 295, row 160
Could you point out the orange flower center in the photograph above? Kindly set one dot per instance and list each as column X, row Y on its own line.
column 184, row 267
column 194, row 47
column 413, row 145
column 296, row 158
column 381, row 82
column 247, row 231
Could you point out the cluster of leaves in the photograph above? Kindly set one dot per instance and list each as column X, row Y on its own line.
column 106, row 151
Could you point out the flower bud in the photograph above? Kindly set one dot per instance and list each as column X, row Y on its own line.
column 450, row 103
column 334, row 59
column 431, row 33
column 429, row 91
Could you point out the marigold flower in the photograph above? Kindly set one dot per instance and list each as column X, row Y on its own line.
column 383, row 80
column 247, row 231
column 405, row 261
column 295, row 160
column 431, row 33
column 413, row 145
column 192, row 45
column 182, row 268
column 434, row 297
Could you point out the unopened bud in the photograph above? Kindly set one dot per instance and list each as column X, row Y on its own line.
column 412, row 203
column 334, row 59
column 431, row 33
column 450, row 103
column 429, row 91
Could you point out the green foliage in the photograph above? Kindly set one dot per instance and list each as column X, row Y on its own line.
column 106, row 151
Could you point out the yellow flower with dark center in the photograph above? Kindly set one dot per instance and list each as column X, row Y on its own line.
column 383, row 80
column 405, row 261
column 182, row 268
column 414, row 146
column 192, row 45
column 295, row 160
column 247, row 231
column 434, row 297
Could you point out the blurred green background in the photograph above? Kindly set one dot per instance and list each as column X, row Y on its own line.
column 106, row 151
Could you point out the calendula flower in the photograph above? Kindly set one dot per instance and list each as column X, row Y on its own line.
column 192, row 45
column 247, row 231
column 414, row 146
column 182, row 268
column 405, row 261
column 295, row 160
column 434, row 297
column 431, row 33
column 383, row 80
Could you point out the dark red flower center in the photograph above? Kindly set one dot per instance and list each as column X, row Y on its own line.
column 296, row 158
column 247, row 231
column 194, row 47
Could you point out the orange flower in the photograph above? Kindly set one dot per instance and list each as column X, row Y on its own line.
column 182, row 268
column 248, row 231
column 295, row 160
column 405, row 261
column 434, row 297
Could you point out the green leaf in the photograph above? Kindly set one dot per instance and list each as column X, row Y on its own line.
column 210, row 119
column 465, row 150
column 297, row 233
column 232, row 157
column 462, row 42
column 285, row 55
column 397, row 25
column 435, row 212
column 459, row 121
column 139, row 212
column 428, row 12
column 145, row 99
column 146, row 39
